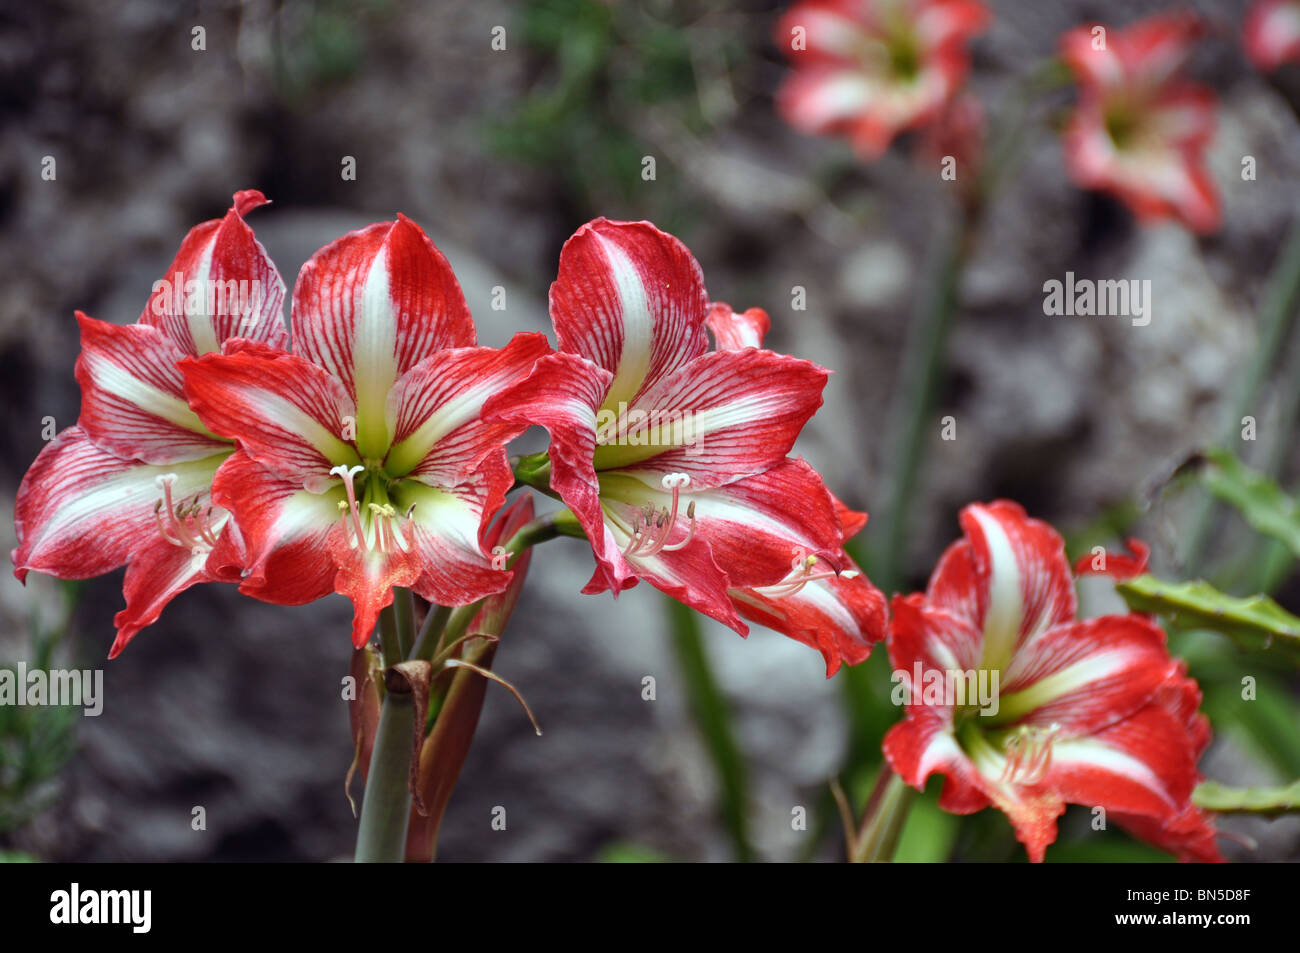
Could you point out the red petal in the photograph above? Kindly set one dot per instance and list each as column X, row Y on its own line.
column 286, row 531
column 285, row 412
column 441, row 435
column 82, row 512
column 1084, row 676
column 237, row 291
column 740, row 412
column 562, row 395
column 631, row 299
column 370, row 306
column 132, row 398
column 155, row 575
column 1116, row 565
column 1013, row 584
column 448, row 526
column 840, row 617
column 732, row 331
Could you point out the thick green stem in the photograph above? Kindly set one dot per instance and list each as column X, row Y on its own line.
column 884, row 819
column 386, row 806
column 431, row 635
column 404, row 615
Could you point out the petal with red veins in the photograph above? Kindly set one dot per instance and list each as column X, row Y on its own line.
column 1087, row 675
column 367, row 578
column 439, row 434
column 852, row 521
column 935, row 638
column 732, row 331
column 82, row 512
column 922, row 744
column 630, row 299
column 724, row 415
column 689, row 575
column 369, row 307
column 286, row 531
column 221, row 285
column 562, row 394
column 132, row 396
column 154, row 576
column 841, row 617
column 757, row 528
column 1023, row 585
column 285, row 412
column 976, row 776
column 1190, row 836
column 1141, row 765
column 445, row 531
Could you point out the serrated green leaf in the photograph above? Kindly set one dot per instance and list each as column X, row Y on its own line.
column 1222, row 799
column 1259, row 500
column 1255, row 622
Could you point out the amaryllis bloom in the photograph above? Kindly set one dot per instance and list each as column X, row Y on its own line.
column 129, row 484
column 1140, row 131
column 1091, row 712
column 1271, row 33
column 672, row 457
column 829, row 604
column 364, row 462
column 869, row 69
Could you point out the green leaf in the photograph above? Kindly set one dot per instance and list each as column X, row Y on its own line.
column 1270, row 802
column 1255, row 622
column 1261, row 502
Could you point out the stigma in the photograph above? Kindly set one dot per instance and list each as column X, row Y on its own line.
column 803, row 570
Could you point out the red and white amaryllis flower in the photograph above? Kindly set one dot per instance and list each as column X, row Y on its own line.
column 869, row 69
column 1271, row 33
column 364, row 462
column 673, row 457
column 1140, row 131
column 829, row 604
column 1091, row 712
column 129, row 483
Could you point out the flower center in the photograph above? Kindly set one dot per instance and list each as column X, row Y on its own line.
column 1028, row 752
column 371, row 523
column 652, row 528
column 187, row 524
column 803, row 570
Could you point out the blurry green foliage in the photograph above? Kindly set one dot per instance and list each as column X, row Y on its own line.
column 321, row 42
column 621, row 852
column 600, row 66
column 35, row 742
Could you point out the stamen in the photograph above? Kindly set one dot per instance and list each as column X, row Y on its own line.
column 347, row 475
column 801, row 573
column 187, row 525
column 652, row 537
column 1029, row 754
